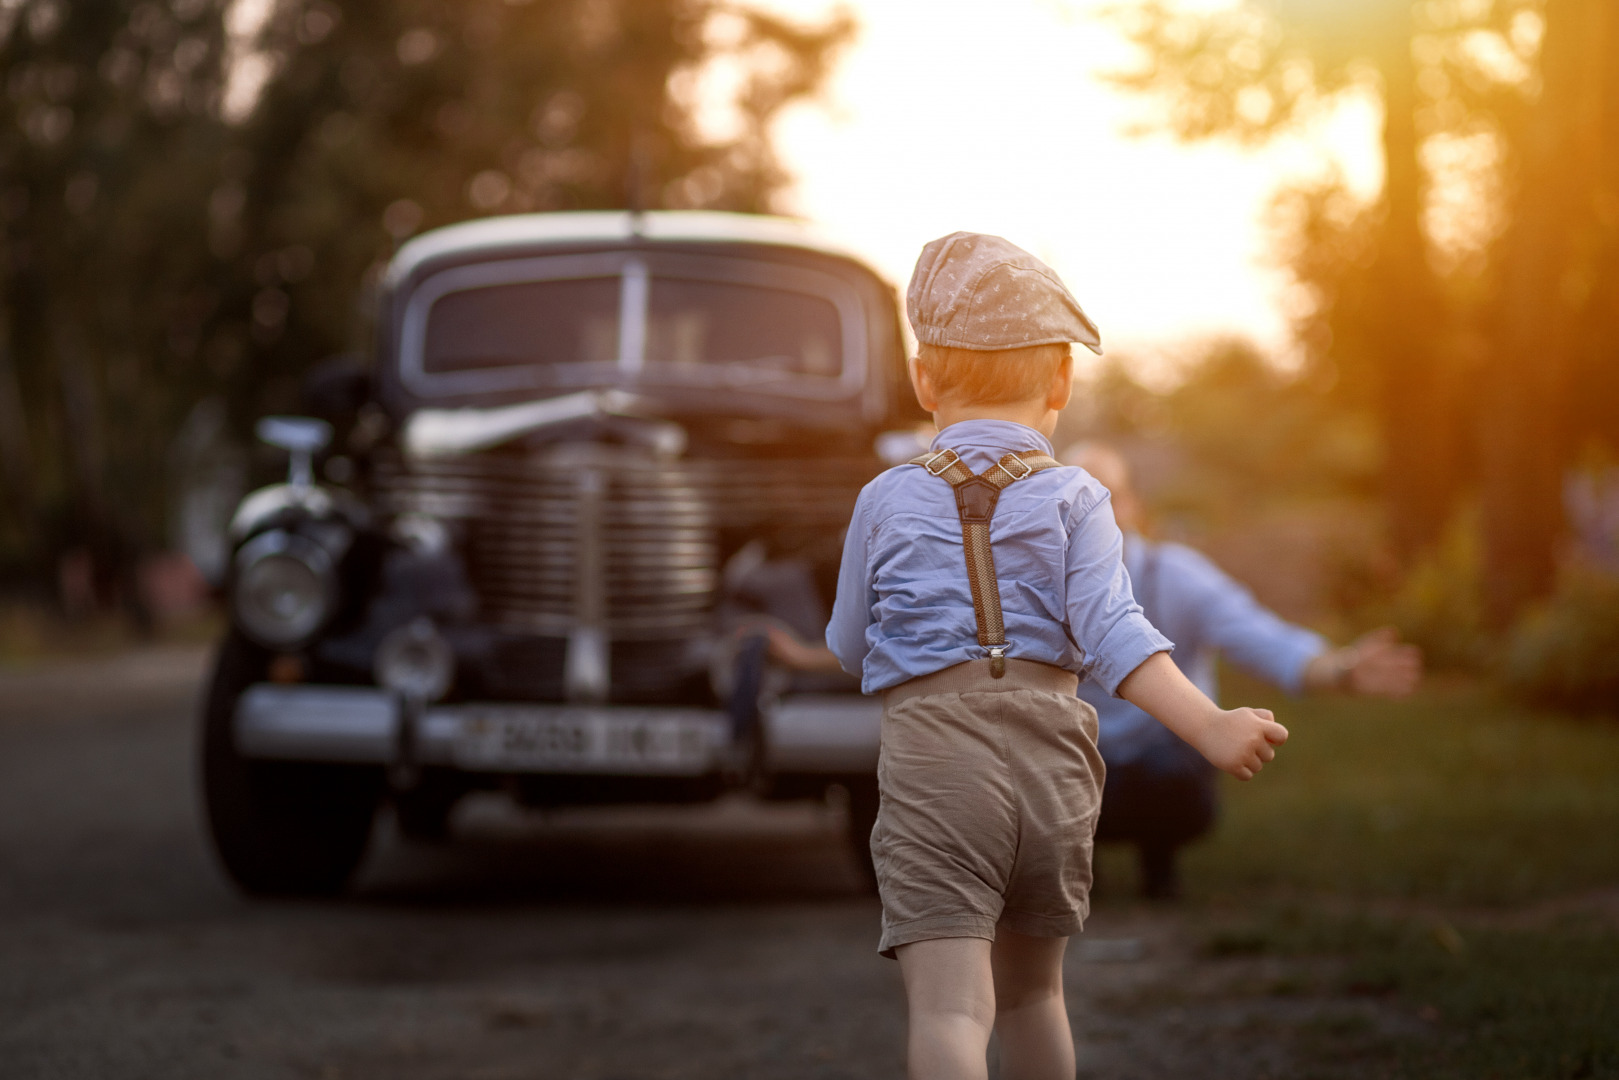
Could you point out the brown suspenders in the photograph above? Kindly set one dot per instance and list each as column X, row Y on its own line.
column 976, row 497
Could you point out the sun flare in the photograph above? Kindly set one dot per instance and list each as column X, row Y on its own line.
column 957, row 115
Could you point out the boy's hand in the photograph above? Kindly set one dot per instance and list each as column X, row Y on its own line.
column 1240, row 741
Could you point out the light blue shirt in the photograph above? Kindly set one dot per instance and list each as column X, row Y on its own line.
column 1207, row 614
column 904, row 607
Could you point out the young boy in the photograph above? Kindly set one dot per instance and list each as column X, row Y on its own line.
column 990, row 777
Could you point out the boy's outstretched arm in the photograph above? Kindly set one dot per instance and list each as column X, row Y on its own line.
column 1238, row 741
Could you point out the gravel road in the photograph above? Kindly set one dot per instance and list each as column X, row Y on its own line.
column 724, row 941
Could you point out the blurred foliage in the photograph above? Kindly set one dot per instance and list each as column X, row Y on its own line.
column 193, row 208
column 107, row 158
column 1472, row 309
column 1243, row 431
column 1233, row 444
column 1439, row 601
column 1249, row 69
column 1266, row 469
column 1565, row 651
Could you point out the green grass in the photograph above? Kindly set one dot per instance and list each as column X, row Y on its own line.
column 1495, row 1003
column 1455, row 796
column 1447, row 856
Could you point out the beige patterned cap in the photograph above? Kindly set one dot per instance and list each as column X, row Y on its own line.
column 976, row 291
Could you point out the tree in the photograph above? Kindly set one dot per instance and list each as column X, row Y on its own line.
column 1255, row 69
column 106, row 146
column 1555, row 331
column 1471, row 368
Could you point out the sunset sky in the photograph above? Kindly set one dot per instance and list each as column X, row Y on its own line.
column 956, row 114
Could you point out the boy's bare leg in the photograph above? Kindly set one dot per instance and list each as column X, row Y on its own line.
column 1031, row 1016
column 950, row 1001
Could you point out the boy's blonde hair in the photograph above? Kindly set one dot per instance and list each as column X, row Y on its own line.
column 991, row 377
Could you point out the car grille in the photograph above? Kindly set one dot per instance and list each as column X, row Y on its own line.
column 651, row 532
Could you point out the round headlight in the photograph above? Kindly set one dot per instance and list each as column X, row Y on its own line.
column 416, row 662
column 286, row 589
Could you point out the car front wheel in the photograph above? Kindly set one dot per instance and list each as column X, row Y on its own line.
column 279, row 827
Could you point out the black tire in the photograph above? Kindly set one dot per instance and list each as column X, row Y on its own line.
column 863, row 803
column 279, row 828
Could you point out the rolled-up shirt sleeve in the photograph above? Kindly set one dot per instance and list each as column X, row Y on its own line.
column 846, row 632
column 1246, row 633
column 1106, row 623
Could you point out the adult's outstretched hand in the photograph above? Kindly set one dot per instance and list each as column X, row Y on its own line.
column 1378, row 664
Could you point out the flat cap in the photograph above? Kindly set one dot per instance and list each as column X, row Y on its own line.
column 976, row 291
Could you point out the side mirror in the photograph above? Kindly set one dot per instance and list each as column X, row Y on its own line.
column 302, row 437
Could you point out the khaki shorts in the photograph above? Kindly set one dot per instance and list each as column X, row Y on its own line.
column 990, row 793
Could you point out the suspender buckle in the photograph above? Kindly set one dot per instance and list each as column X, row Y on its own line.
column 1027, row 468
column 948, row 458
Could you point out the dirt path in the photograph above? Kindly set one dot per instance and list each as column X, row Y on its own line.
column 727, row 941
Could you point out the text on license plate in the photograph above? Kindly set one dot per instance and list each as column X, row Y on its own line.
column 572, row 739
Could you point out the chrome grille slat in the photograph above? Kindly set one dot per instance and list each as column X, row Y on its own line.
column 660, row 524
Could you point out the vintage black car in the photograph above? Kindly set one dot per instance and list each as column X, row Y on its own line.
column 589, row 452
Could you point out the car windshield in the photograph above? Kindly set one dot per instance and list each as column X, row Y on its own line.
column 653, row 319
column 535, row 322
column 769, row 330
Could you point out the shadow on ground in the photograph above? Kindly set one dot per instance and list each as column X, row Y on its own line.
column 737, row 851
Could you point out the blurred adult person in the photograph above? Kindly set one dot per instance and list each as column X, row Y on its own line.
column 1160, row 794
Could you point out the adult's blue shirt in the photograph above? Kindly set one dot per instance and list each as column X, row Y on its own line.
column 904, row 607
column 1208, row 614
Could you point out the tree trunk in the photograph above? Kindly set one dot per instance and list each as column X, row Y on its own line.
column 16, row 456
column 1524, row 444
column 95, row 524
column 1418, row 415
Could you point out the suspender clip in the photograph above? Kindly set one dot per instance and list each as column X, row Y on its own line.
column 997, row 662
column 1027, row 468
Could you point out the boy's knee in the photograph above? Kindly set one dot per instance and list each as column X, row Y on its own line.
column 977, row 1014
column 953, row 1003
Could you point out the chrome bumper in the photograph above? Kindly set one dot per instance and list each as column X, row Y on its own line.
column 353, row 724
column 823, row 733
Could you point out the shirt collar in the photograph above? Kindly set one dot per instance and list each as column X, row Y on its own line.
column 1001, row 436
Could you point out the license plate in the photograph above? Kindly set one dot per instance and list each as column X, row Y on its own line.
column 585, row 740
